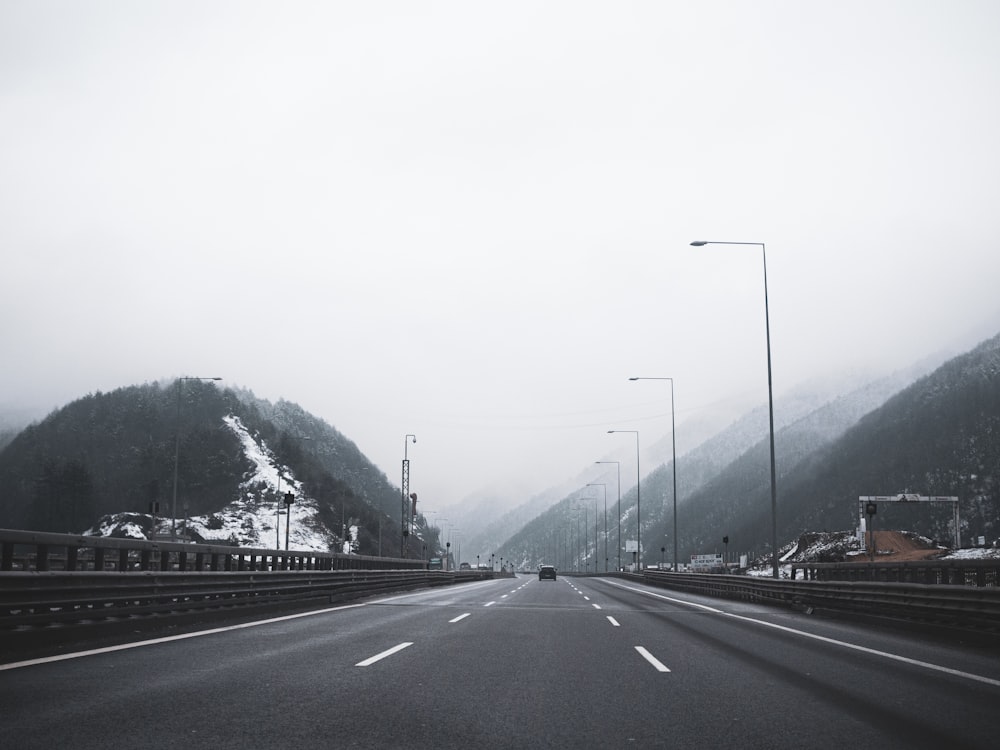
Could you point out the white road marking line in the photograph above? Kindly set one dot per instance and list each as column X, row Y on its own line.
column 167, row 639
column 587, row 598
column 378, row 657
column 489, row 604
column 503, row 596
column 460, row 617
column 824, row 639
column 595, row 606
column 657, row 664
column 613, row 621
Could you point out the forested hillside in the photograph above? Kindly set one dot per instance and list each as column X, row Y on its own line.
column 937, row 436
column 110, row 453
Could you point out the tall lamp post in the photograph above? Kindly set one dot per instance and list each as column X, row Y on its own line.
column 770, row 400
column 404, row 529
column 600, row 484
column 619, row 465
column 673, row 437
column 177, row 450
column 638, row 508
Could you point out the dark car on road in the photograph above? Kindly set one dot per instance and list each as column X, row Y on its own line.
column 546, row 571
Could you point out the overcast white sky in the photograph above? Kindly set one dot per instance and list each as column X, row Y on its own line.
column 471, row 221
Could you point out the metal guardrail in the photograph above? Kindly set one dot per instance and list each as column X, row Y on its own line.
column 983, row 573
column 43, row 552
column 964, row 606
column 55, row 580
column 30, row 600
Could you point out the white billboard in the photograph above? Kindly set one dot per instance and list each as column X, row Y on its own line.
column 705, row 562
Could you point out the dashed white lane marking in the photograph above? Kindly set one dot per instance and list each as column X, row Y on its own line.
column 378, row 657
column 657, row 664
column 595, row 606
column 613, row 621
column 460, row 617
column 489, row 604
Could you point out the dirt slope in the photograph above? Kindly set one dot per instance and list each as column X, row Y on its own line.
column 895, row 546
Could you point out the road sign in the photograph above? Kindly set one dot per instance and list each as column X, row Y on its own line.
column 706, row 562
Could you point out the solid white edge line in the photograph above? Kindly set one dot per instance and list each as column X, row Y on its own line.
column 824, row 639
column 460, row 617
column 657, row 664
column 169, row 638
column 378, row 657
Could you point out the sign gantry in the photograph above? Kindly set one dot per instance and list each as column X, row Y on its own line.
column 868, row 504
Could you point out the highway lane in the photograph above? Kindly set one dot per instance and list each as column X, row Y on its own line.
column 517, row 663
column 782, row 679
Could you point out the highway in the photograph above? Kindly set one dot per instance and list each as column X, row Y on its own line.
column 516, row 663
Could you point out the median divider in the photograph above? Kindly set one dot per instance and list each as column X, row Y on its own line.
column 56, row 587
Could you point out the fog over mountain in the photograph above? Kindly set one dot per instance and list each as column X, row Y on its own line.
column 472, row 222
column 704, row 448
column 723, row 485
column 101, row 461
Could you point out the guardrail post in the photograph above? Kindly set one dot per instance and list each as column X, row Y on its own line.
column 42, row 557
column 72, row 553
column 99, row 559
column 164, row 560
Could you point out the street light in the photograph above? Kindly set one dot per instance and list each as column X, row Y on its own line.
column 638, row 509
column 404, row 494
column 619, row 465
column 770, row 400
column 177, row 449
column 600, row 484
column 673, row 437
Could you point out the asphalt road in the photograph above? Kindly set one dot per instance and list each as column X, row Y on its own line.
column 572, row 663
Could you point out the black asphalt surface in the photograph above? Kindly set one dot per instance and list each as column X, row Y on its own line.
column 517, row 663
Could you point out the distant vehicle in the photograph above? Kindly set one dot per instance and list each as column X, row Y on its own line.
column 546, row 571
column 465, row 566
